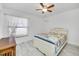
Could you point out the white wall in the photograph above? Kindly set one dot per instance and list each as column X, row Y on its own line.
column 1, row 21
column 68, row 20
column 3, row 24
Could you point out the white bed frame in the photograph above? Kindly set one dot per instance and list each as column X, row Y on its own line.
column 47, row 48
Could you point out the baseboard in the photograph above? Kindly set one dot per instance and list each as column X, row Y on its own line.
column 75, row 44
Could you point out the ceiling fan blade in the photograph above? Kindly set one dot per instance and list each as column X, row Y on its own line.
column 38, row 9
column 49, row 10
column 42, row 5
column 51, row 6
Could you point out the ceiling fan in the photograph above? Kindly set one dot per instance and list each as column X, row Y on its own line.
column 46, row 7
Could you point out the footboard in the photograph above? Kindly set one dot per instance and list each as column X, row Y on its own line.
column 45, row 47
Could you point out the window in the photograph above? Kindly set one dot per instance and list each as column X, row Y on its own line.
column 17, row 26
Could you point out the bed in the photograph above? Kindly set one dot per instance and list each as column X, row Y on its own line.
column 51, row 43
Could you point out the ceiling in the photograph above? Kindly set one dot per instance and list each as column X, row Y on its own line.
column 31, row 7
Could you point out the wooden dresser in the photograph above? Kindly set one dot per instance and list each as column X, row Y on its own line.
column 7, row 47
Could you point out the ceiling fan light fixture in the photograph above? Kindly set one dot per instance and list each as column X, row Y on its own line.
column 45, row 10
